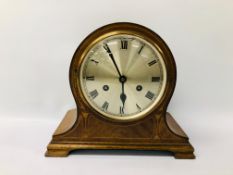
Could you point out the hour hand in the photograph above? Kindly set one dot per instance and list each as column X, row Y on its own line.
column 122, row 95
column 123, row 98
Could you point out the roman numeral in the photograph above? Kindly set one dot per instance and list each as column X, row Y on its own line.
column 107, row 49
column 94, row 93
column 96, row 62
column 140, row 50
column 105, row 106
column 124, row 44
column 139, row 108
column 155, row 79
column 152, row 63
column 91, row 78
column 121, row 110
column 149, row 95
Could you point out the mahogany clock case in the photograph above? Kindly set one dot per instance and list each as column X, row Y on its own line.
column 85, row 128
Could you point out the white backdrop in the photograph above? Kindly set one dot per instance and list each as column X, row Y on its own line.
column 37, row 41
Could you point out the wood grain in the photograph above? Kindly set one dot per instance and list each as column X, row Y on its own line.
column 61, row 145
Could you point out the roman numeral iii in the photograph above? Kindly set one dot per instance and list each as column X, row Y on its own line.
column 155, row 79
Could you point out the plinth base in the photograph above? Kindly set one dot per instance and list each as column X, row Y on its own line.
column 62, row 144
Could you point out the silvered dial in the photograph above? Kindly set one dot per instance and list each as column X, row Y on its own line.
column 123, row 77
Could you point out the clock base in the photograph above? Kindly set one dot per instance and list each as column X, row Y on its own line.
column 176, row 142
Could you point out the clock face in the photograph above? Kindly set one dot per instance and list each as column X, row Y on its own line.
column 123, row 77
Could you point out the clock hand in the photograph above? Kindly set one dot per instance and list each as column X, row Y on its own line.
column 112, row 58
column 122, row 78
column 123, row 95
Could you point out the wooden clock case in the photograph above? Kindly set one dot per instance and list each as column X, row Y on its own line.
column 85, row 128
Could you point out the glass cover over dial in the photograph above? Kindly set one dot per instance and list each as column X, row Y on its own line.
column 123, row 77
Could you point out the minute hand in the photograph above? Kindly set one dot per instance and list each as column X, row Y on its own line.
column 112, row 58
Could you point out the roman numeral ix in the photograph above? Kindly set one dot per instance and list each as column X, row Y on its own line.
column 92, row 78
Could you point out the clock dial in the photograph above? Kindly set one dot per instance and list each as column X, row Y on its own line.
column 123, row 77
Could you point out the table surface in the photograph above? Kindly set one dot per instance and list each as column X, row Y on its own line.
column 24, row 141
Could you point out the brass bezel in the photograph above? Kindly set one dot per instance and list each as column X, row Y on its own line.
column 128, row 29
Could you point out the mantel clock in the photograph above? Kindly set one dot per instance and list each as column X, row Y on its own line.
column 122, row 77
